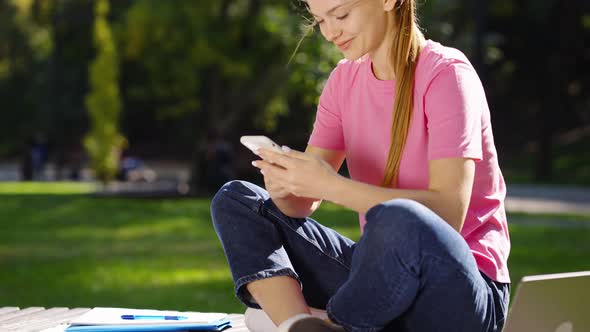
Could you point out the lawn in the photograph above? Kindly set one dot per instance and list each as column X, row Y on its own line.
column 61, row 247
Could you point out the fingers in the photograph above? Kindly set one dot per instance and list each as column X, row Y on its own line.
column 274, row 188
column 275, row 158
column 273, row 177
column 266, row 166
column 287, row 158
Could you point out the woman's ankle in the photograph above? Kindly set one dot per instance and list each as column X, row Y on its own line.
column 285, row 325
column 309, row 323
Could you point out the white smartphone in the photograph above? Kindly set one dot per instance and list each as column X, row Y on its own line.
column 256, row 142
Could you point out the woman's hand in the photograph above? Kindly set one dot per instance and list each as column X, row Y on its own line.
column 275, row 190
column 295, row 172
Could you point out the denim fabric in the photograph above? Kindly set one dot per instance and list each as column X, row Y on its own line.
column 409, row 271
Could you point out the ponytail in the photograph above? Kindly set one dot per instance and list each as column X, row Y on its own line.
column 405, row 51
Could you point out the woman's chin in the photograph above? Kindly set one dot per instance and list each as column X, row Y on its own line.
column 351, row 55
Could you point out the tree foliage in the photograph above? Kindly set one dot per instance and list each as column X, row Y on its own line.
column 188, row 68
column 104, row 142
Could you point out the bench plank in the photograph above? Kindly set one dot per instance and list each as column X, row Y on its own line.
column 32, row 316
column 19, row 313
column 8, row 310
column 38, row 319
column 45, row 321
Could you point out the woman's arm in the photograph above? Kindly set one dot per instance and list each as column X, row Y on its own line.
column 448, row 195
column 305, row 175
column 301, row 207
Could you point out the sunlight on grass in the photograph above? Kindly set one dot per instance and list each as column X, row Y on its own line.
column 134, row 274
column 64, row 248
column 47, row 251
column 54, row 188
column 188, row 276
column 136, row 229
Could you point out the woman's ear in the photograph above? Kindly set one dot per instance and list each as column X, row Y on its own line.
column 389, row 5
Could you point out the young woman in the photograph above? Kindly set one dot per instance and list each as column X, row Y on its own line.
column 411, row 119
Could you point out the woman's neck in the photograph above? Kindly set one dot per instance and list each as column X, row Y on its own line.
column 382, row 62
column 382, row 67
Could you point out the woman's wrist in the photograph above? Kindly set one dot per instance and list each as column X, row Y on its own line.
column 333, row 187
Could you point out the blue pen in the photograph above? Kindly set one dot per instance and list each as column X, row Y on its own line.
column 137, row 317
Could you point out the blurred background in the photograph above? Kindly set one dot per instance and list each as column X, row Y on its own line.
column 106, row 103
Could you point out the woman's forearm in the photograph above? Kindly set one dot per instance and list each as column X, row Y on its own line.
column 361, row 197
column 297, row 207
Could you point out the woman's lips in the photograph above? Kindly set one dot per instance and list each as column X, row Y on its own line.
column 345, row 45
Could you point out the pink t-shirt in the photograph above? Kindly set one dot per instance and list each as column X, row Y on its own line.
column 450, row 119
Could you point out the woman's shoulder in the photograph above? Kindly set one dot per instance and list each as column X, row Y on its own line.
column 436, row 58
column 435, row 54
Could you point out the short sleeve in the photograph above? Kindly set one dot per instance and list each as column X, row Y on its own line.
column 327, row 129
column 454, row 104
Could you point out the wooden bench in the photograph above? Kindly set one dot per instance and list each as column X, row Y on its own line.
column 40, row 318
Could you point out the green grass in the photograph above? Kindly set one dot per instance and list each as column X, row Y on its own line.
column 62, row 248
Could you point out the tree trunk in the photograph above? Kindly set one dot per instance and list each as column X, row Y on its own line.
column 212, row 105
column 544, row 162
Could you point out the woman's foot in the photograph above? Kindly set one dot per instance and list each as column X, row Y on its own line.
column 258, row 321
column 308, row 323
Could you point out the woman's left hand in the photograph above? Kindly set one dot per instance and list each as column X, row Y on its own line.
column 301, row 174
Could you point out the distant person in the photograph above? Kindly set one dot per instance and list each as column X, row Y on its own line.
column 133, row 169
column 411, row 119
column 33, row 159
column 39, row 156
column 127, row 165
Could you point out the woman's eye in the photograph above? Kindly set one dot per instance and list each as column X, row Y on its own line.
column 342, row 17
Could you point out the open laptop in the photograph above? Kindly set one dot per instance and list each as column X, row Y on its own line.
column 551, row 303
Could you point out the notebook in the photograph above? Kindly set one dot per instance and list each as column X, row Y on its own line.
column 125, row 319
column 551, row 303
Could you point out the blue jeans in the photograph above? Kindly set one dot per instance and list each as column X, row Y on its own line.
column 410, row 270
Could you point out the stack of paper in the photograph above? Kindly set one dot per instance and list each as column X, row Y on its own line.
column 122, row 319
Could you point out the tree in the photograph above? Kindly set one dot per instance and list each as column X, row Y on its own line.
column 104, row 142
column 538, row 75
column 24, row 51
column 202, row 66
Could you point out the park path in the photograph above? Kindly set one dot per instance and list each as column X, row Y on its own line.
column 548, row 199
column 529, row 199
column 538, row 199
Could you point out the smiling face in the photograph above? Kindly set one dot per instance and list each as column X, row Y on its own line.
column 356, row 27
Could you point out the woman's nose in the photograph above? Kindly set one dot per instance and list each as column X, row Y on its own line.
column 333, row 31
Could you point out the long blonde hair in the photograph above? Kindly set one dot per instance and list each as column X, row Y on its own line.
column 405, row 50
